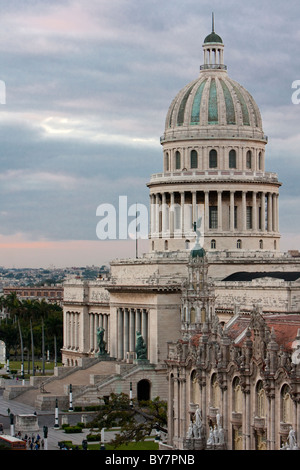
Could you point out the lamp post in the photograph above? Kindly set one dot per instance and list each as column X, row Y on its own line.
column 102, row 445
column 56, row 425
column 130, row 395
column 70, row 399
column 12, row 427
column 45, row 429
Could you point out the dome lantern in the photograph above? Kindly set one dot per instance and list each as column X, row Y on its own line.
column 213, row 49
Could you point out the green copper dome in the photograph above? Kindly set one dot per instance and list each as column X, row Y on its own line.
column 213, row 100
column 213, row 37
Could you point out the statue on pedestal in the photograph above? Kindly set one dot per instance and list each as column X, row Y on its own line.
column 101, row 342
column 140, row 348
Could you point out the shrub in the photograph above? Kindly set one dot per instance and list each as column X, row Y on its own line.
column 93, row 437
column 72, row 429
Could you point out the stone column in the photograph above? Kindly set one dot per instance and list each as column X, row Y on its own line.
column 182, row 212
column 272, row 421
column 120, row 333
column 171, row 215
column 68, row 324
column 182, row 405
column 164, row 213
column 132, row 330
column 206, row 213
column 231, row 211
column 244, row 211
column 269, row 215
column 145, row 327
column 92, row 333
column 219, row 211
column 72, row 330
column 170, row 410
column 276, row 212
column 126, row 333
column 157, row 213
column 254, row 211
column 152, row 214
column 263, row 212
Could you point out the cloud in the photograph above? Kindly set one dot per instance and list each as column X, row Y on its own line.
column 88, row 86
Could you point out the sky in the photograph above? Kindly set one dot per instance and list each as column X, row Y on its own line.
column 84, row 91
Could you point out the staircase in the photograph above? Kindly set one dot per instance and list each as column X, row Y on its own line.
column 58, row 387
column 88, row 384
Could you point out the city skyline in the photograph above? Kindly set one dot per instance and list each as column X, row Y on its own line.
column 88, row 87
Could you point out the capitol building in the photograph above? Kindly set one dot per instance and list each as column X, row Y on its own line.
column 215, row 301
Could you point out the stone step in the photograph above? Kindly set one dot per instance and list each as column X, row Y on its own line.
column 59, row 386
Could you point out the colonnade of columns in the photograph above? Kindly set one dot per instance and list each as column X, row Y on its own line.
column 98, row 320
column 72, row 330
column 129, row 321
column 231, row 210
column 213, row 55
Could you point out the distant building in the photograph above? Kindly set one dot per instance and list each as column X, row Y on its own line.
column 52, row 294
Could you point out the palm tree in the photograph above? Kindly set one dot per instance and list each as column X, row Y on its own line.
column 42, row 309
column 54, row 329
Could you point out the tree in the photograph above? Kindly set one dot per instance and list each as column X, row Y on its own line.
column 136, row 419
column 54, row 328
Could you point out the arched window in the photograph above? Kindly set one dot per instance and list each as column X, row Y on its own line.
column 286, row 405
column 177, row 160
column 194, row 159
column 232, row 159
column 260, row 400
column 261, row 244
column 152, row 245
column 195, row 389
column 187, row 244
column 213, row 244
column 215, row 392
column 166, row 245
column 213, row 159
column 275, row 245
column 167, row 164
column 249, row 159
column 237, row 395
column 260, row 161
column 239, row 244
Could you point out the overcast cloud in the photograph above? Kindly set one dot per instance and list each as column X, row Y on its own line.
column 88, row 86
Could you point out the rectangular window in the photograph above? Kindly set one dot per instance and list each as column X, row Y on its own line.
column 213, row 217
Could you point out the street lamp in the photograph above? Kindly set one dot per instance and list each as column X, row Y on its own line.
column 45, row 429
column 70, row 399
column 56, row 425
column 12, row 427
